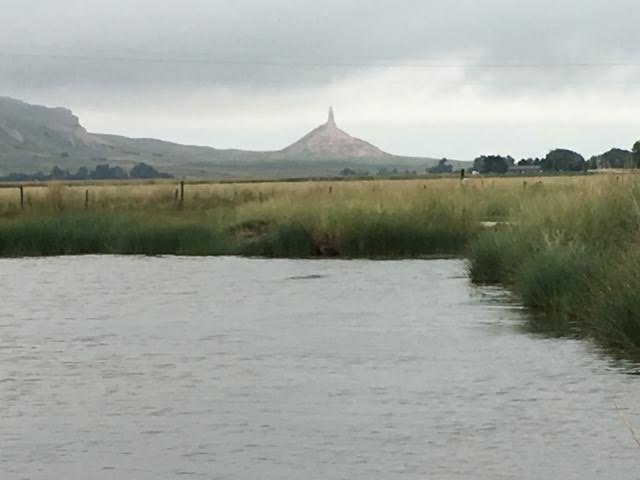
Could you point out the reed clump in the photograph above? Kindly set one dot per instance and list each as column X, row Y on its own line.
column 572, row 259
column 78, row 233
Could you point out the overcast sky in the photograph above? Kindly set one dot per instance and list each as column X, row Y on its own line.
column 454, row 78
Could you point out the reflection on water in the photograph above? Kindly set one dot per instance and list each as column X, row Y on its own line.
column 159, row 368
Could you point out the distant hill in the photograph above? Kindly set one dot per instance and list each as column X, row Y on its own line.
column 37, row 138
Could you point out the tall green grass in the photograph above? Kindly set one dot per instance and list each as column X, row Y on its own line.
column 572, row 259
column 88, row 233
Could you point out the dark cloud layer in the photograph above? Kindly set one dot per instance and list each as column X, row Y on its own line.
column 296, row 43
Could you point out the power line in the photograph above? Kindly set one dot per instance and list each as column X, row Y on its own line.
column 315, row 64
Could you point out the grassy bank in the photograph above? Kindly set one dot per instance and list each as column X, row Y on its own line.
column 573, row 259
column 344, row 219
column 566, row 247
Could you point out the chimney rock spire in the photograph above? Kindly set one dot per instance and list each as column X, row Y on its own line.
column 332, row 119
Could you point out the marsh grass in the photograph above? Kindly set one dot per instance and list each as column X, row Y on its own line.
column 78, row 233
column 571, row 257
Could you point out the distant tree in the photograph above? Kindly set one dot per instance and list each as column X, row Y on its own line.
column 81, row 174
column 636, row 154
column 105, row 172
column 614, row 158
column 142, row 170
column 348, row 172
column 58, row 174
column 618, row 158
column 526, row 162
column 493, row 164
column 442, row 167
column 101, row 172
column 562, row 160
column 118, row 173
column 592, row 163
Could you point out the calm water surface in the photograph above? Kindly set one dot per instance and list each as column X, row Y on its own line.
column 165, row 368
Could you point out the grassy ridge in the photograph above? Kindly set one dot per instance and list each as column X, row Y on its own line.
column 566, row 247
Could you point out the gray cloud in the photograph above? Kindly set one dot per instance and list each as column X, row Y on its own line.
column 293, row 42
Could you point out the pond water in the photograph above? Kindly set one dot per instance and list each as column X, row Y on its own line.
column 230, row 368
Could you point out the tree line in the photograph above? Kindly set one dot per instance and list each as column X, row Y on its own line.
column 103, row 171
column 561, row 160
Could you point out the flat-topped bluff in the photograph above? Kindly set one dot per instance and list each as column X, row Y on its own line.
column 40, row 127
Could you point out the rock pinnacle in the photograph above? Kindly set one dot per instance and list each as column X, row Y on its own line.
column 328, row 141
column 332, row 119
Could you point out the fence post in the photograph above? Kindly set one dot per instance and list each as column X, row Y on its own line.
column 86, row 199
column 182, row 194
column 21, row 197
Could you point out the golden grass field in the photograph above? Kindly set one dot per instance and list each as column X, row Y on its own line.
column 160, row 194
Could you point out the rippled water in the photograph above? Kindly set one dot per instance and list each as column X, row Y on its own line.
column 160, row 368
